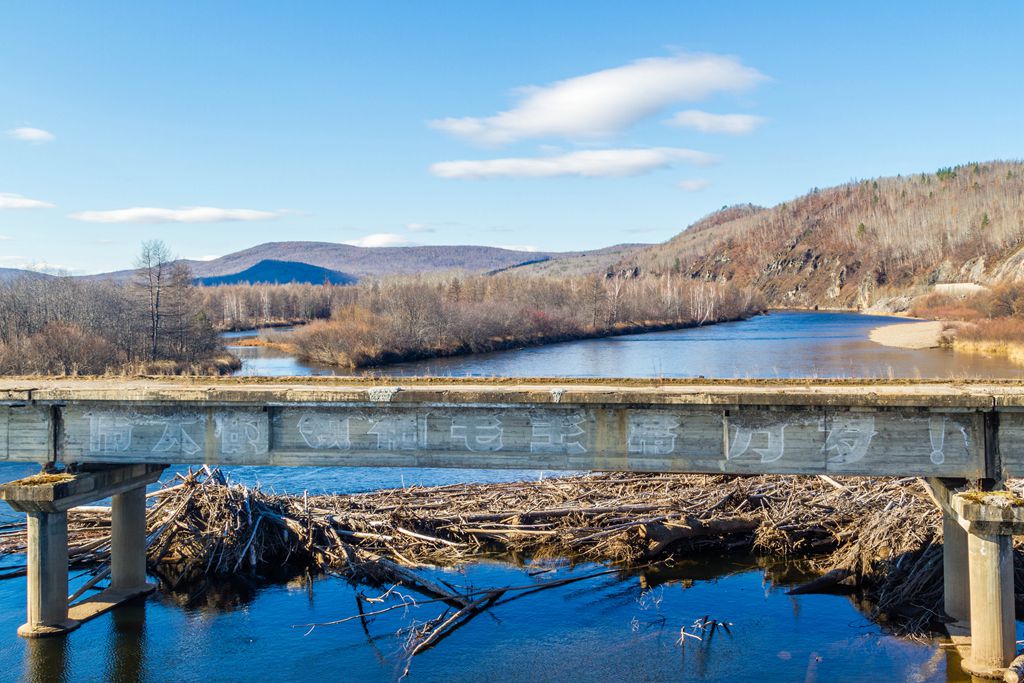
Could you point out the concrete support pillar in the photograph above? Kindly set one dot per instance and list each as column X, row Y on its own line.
column 956, row 585
column 993, row 642
column 46, row 501
column 128, row 541
column 47, row 584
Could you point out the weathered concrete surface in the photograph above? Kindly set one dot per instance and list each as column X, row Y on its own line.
column 993, row 643
column 45, row 498
column 990, row 512
column 58, row 493
column 104, row 601
column 128, row 542
column 256, row 390
column 47, row 576
column 800, row 427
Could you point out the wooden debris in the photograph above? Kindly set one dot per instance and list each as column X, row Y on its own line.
column 880, row 538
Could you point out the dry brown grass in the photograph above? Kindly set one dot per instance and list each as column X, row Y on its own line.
column 1005, row 330
column 1002, row 337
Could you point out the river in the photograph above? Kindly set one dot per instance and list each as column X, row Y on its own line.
column 620, row 627
column 782, row 344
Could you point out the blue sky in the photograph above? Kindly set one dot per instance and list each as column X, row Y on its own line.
column 557, row 126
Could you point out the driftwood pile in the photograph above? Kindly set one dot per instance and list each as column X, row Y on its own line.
column 877, row 538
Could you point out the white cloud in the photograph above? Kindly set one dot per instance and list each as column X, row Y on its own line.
column 208, row 257
column 28, row 134
column 195, row 214
column 37, row 266
column 419, row 227
column 380, row 239
column 4, row 238
column 587, row 163
column 9, row 200
column 606, row 102
column 695, row 185
column 705, row 122
column 518, row 247
column 43, row 266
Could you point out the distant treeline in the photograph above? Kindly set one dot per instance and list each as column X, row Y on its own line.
column 422, row 317
column 245, row 306
column 65, row 325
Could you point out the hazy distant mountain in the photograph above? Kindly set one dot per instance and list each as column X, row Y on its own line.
column 359, row 262
column 274, row 272
column 7, row 274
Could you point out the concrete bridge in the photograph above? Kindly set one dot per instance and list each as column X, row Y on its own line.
column 965, row 438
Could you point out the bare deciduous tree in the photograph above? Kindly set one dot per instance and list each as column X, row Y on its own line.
column 153, row 268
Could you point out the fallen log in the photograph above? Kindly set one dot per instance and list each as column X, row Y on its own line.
column 837, row 581
column 661, row 535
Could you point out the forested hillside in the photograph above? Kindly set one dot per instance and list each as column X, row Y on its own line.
column 8, row 274
column 860, row 243
column 271, row 272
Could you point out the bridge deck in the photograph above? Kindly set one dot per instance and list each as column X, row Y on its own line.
column 927, row 428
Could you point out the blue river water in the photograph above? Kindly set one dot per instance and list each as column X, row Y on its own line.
column 623, row 626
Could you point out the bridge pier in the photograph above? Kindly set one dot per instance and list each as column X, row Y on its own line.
column 977, row 563
column 993, row 640
column 956, row 581
column 47, row 575
column 128, row 540
column 990, row 518
column 45, row 499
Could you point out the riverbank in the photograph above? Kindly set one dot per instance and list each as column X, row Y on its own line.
column 1012, row 351
column 921, row 335
column 978, row 320
column 262, row 342
column 275, row 324
column 309, row 349
column 936, row 333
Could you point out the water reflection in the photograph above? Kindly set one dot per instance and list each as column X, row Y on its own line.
column 46, row 660
column 126, row 662
column 624, row 626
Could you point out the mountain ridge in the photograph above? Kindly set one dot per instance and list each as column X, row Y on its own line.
column 8, row 274
column 360, row 262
